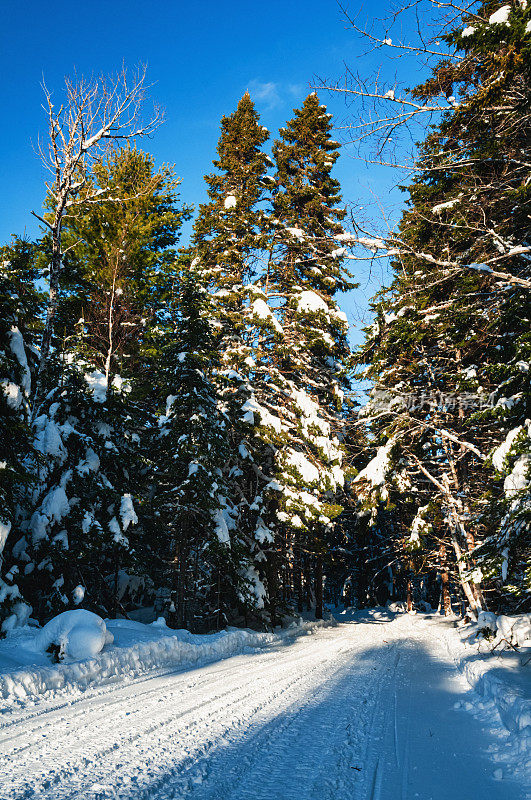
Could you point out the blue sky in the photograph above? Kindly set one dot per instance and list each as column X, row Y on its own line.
column 201, row 57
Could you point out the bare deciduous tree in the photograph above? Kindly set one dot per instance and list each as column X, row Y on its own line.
column 96, row 115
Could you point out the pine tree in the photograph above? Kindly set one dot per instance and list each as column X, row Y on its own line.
column 80, row 532
column 190, row 449
column 19, row 310
column 230, row 237
column 77, row 534
column 117, row 275
column 306, row 373
column 450, row 345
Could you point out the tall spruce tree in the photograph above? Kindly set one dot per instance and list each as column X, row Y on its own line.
column 230, row 239
column 20, row 308
column 449, row 351
column 191, row 502
column 307, row 373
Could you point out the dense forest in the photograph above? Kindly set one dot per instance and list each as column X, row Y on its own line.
column 179, row 425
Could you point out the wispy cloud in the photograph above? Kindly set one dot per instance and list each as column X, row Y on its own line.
column 271, row 95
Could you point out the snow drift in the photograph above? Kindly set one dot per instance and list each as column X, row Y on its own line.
column 495, row 667
column 137, row 649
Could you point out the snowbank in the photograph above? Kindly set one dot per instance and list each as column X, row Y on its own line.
column 501, row 675
column 26, row 673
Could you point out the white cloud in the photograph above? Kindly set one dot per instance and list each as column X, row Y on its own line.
column 273, row 95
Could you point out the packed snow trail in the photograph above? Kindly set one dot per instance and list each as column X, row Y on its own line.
column 363, row 711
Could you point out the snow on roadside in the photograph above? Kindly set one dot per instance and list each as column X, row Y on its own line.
column 26, row 673
column 501, row 677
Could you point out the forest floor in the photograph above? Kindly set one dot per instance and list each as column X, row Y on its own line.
column 372, row 709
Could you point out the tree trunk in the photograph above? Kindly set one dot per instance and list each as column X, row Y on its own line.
column 307, row 583
column 272, row 585
column 446, row 604
column 475, row 606
column 409, row 595
column 318, row 587
column 297, row 580
column 173, row 612
column 115, row 592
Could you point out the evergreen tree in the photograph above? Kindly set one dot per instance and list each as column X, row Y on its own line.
column 19, row 310
column 450, row 347
column 79, row 528
column 307, row 366
column 117, row 277
column 230, row 237
column 190, row 449
column 76, row 535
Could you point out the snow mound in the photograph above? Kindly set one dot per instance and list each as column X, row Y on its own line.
column 506, row 630
column 487, row 621
column 77, row 634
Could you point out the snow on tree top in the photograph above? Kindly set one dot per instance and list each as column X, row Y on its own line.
column 372, row 244
column 16, row 343
column 376, row 470
column 263, row 533
column 48, row 437
column 118, row 536
column 338, row 252
column 91, row 463
column 518, row 480
column 261, row 309
column 5, row 527
column 268, row 420
column 298, row 233
column 13, row 394
column 308, row 471
column 449, row 203
column 500, row 453
column 310, row 301
column 222, row 529
column 127, row 511
column 500, row 16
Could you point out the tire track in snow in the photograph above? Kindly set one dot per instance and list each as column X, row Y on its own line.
column 95, row 740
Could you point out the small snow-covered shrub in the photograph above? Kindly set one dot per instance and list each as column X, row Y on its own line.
column 397, row 607
column 487, row 624
column 513, row 631
column 74, row 634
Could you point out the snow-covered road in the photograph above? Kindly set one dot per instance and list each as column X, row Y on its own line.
column 364, row 711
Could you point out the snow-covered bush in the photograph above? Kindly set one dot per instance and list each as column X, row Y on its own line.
column 504, row 630
column 74, row 634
